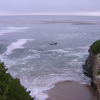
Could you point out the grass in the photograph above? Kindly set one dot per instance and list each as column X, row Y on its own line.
column 11, row 89
column 95, row 47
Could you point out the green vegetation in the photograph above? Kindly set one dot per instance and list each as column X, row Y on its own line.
column 10, row 89
column 95, row 47
column 98, row 73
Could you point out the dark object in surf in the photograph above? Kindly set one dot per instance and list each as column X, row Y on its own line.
column 53, row 43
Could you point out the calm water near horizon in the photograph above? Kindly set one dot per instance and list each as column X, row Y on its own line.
column 26, row 51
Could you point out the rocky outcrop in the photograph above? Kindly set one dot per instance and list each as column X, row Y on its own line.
column 91, row 68
column 53, row 43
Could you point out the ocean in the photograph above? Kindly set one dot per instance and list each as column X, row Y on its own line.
column 45, row 49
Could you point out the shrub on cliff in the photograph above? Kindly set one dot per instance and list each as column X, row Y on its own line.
column 10, row 89
column 95, row 47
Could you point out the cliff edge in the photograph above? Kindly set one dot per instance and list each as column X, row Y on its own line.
column 91, row 68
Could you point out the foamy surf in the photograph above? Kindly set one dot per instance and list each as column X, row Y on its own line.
column 16, row 45
column 40, row 84
column 36, row 81
column 5, row 30
column 38, row 64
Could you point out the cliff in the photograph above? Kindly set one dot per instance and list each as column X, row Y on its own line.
column 91, row 68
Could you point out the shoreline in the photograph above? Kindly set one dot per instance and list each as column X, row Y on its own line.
column 70, row 90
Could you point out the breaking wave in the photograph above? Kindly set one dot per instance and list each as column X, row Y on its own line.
column 5, row 30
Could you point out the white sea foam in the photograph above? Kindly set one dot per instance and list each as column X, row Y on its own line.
column 12, row 29
column 42, row 96
column 39, row 69
column 59, row 51
column 16, row 45
column 39, row 83
column 7, row 61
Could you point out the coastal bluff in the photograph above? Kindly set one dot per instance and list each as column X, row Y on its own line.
column 91, row 68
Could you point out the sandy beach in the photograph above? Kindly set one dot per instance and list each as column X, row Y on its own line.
column 71, row 91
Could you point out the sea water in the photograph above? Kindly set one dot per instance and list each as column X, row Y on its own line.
column 25, row 48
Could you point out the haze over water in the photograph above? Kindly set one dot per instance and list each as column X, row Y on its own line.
column 26, row 51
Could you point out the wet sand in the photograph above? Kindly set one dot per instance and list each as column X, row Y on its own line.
column 71, row 91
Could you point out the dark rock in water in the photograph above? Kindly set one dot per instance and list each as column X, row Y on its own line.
column 53, row 43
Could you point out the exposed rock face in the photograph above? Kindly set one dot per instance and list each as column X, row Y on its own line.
column 91, row 69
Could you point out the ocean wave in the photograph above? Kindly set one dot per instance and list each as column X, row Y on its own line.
column 40, row 84
column 16, row 45
column 12, row 29
column 32, row 74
